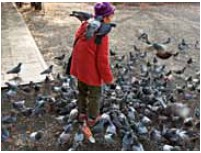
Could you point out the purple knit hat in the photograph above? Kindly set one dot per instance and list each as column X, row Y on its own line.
column 103, row 9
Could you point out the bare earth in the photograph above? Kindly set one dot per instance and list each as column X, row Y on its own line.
column 54, row 30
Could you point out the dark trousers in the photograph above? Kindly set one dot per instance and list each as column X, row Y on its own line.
column 89, row 99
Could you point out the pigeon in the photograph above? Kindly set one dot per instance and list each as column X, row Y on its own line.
column 159, row 69
column 171, row 135
column 131, row 114
column 104, row 29
column 64, row 138
column 179, row 109
column 159, row 47
column 127, row 142
column 179, row 72
column 162, row 101
column 143, row 55
column 5, row 134
column 73, row 115
column 47, row 71
column 180, row 89
column 167, row 148
column 12, row 85
column 163, row 55
column 183, row 45
column 175, row 54
column 167, row 41
column 68, row 128
column 19, row 105
column 146, row 121
column 197, row 45
column 120, row 58
column 155, row 60
column 155, row 135
column 36, row 87
column 137, row 146
column 79, row 136
column 62, row 119
column 93, row 26
column 197, row 113
column 60, row 58
column 168, row 73
column 12, row 88
column 27, row 89
column 143, row 37
column 10, row 118
column 156, row 46
column 27, row 111
column 36, row 136
column 111, row 129
column 141, row 128
column 189, row 79
column 143, row 68
column 77, row 140
column 112, row 53
column 109, row 138
column 188, row 122
column 39, row 106
column 136, row 49
column 190, row 61
column 15, row 70
column 82, row 16
column 98, row 128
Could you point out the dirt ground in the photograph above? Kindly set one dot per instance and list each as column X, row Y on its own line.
column 54, row 30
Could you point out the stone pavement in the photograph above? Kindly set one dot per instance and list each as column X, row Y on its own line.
column 18, row 45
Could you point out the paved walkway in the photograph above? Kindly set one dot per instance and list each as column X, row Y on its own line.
column 18, row 45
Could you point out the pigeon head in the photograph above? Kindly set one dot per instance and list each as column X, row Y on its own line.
column 39, row 135
column 51, row 66
column 20, row 64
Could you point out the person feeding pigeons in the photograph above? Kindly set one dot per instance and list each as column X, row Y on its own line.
column 90, row 61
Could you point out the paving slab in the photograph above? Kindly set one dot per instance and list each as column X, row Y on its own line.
column 18, row 45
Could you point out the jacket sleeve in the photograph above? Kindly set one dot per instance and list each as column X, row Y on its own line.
column 103, row 63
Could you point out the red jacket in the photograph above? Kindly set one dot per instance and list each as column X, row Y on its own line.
column 90, row 62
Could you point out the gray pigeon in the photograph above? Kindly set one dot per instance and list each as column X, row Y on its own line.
column 15, row 70
column 60, row 58
column 36, row 136
column 10, row 118
column 93, row 26
column 103, row 30
column 5, row 134
column 19, row 105
column 47, row 71
column 64, row 138
column 82, row 16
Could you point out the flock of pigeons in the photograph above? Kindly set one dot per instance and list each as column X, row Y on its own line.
column 144, row 104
